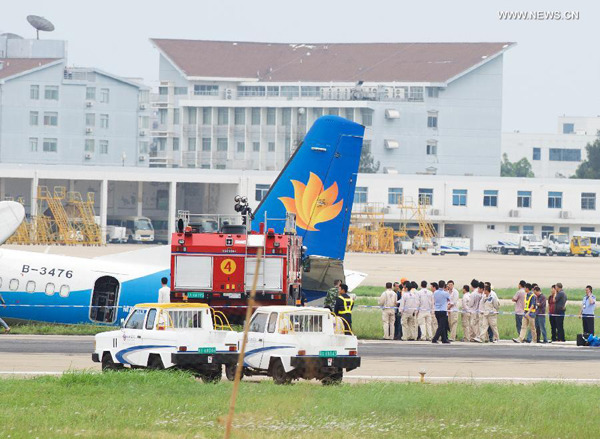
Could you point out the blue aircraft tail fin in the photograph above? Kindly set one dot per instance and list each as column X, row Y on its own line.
column 317, row 184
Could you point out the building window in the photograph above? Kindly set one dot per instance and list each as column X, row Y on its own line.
column 310, row 91
column 361, row 194
column 271, row 147
column 349, row 113
column 206, row 90
column 395, row 196
column 143, row 146
column 272, row 90
column 191, row 144
column 104, row 95
column 565, row 155
column 180, row 90
column 271, row 116
column 568, row 128
column 514, row 229
column 206, row 146
column 546, row 231
column 162, row 116
column 290, row 91
column 104, row 146
column 286, row 116
column 588, row 229
column 416, row 94
column 261, row 191
column 563, row 230
column 537, row 153
column 51, row 119
column 175, row 143
column 255, row 116
column 333, row 111
column 33, row 144
column 221, row 166
column 90, row 93
column 432, row 147
column 490, row 198
column 34, row 118
column 163, row 91
column 318, row 112
column 34, row 92
column 90, row 120
column 241, row 147
column 366, row 116
column 104, row 121
column 222, row 144
column 491, row 227
column 51, row 92
column 588, row 201
column 528, row 230
column 554, row 200
column 162, row 143
column 251, row 90
column 524, row 199
column 176, row 116
column 206, row 116
column 89, row 145
column 50, row 145
column 240, row 116
column 425, row 197
column 433, row 92
column 192, row 115
column 459, row 197
column 256, row 146
column 432, row 121
column 222, row 116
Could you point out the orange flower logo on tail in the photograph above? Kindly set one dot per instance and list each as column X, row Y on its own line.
column 311, row 204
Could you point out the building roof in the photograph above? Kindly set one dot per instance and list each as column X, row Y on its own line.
column 16, row 66
column 351, row 62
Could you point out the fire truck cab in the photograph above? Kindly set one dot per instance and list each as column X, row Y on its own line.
column 213, row 260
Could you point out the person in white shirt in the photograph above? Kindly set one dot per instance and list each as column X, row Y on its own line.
column 474, row 308
column 466, row 313
column 452, row 309
column 164, row 294
column 425, row 308
column 387, row 300
column 409, row 305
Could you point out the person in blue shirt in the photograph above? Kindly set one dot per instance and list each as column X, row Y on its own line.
column 441, row 298
column 588, row 306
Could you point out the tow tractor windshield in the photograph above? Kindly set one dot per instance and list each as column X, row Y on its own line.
column 562, row 239
column 143, row 224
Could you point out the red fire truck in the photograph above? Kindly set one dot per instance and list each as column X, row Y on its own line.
column 213, row 260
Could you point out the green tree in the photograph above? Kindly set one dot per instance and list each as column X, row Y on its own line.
column 522, row 168
column 590, row 168
column 367, row 164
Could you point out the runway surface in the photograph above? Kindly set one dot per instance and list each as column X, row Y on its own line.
column 26, row 355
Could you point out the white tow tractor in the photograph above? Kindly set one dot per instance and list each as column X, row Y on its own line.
column 287, row 343
column 557, row 244
column 190, row 336
column 444, row 246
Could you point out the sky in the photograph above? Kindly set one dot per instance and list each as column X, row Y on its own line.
column 553, row 70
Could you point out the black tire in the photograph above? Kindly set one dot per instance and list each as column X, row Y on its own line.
column 279, row 374
column 130, row 239
column 211, row 377
column 550, row 252
column 522, row 251
column 442, row 253
column 155, row 362
column 595, row 255
column 463, row 254
column 230, row 372
column 503, row 251
column 489, row 248
column 109, row 364
column 332, row 380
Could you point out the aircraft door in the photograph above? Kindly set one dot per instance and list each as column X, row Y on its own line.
column 105, row 298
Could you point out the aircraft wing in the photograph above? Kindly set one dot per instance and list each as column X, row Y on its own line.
column 12, row 215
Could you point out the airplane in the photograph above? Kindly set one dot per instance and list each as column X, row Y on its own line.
column 12, row 215
column 317, row 184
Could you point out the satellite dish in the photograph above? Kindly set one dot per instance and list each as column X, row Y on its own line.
column 40, row 24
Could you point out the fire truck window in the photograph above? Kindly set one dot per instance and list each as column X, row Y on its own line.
column 151, row 318
column 272, row 322
column 258, row 323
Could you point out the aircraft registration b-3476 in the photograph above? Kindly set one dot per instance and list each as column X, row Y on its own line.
column 317, row 185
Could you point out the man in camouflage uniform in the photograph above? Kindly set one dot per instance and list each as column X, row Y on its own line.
column 332, row 294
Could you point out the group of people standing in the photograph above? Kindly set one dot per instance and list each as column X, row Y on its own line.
column 431, row 312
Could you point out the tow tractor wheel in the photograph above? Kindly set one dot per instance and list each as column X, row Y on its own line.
column 155, row 362
column 550, row 252
column 109, row 364
column 230, row 372
column 334, row 379
column 211, row 377
column 279, row 374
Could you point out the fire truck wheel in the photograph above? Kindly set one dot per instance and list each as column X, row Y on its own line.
column 279, row 374
column 230, row 372
column 334, row 379
column 211, row 377
column 155, row 362
column 109, row 364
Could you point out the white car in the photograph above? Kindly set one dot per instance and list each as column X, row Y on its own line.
column 288, row 342
column 165, row 335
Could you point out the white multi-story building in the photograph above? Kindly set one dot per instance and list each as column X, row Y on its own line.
column 54, row 114
column 554, row 155
column 430, row 108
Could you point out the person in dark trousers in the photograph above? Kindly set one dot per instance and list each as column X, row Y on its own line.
column 560, row 306
column 588, row 307
column 540, row 316
column 343, row 306
column 398, row 321
column 441, row 297
column 551, row 312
